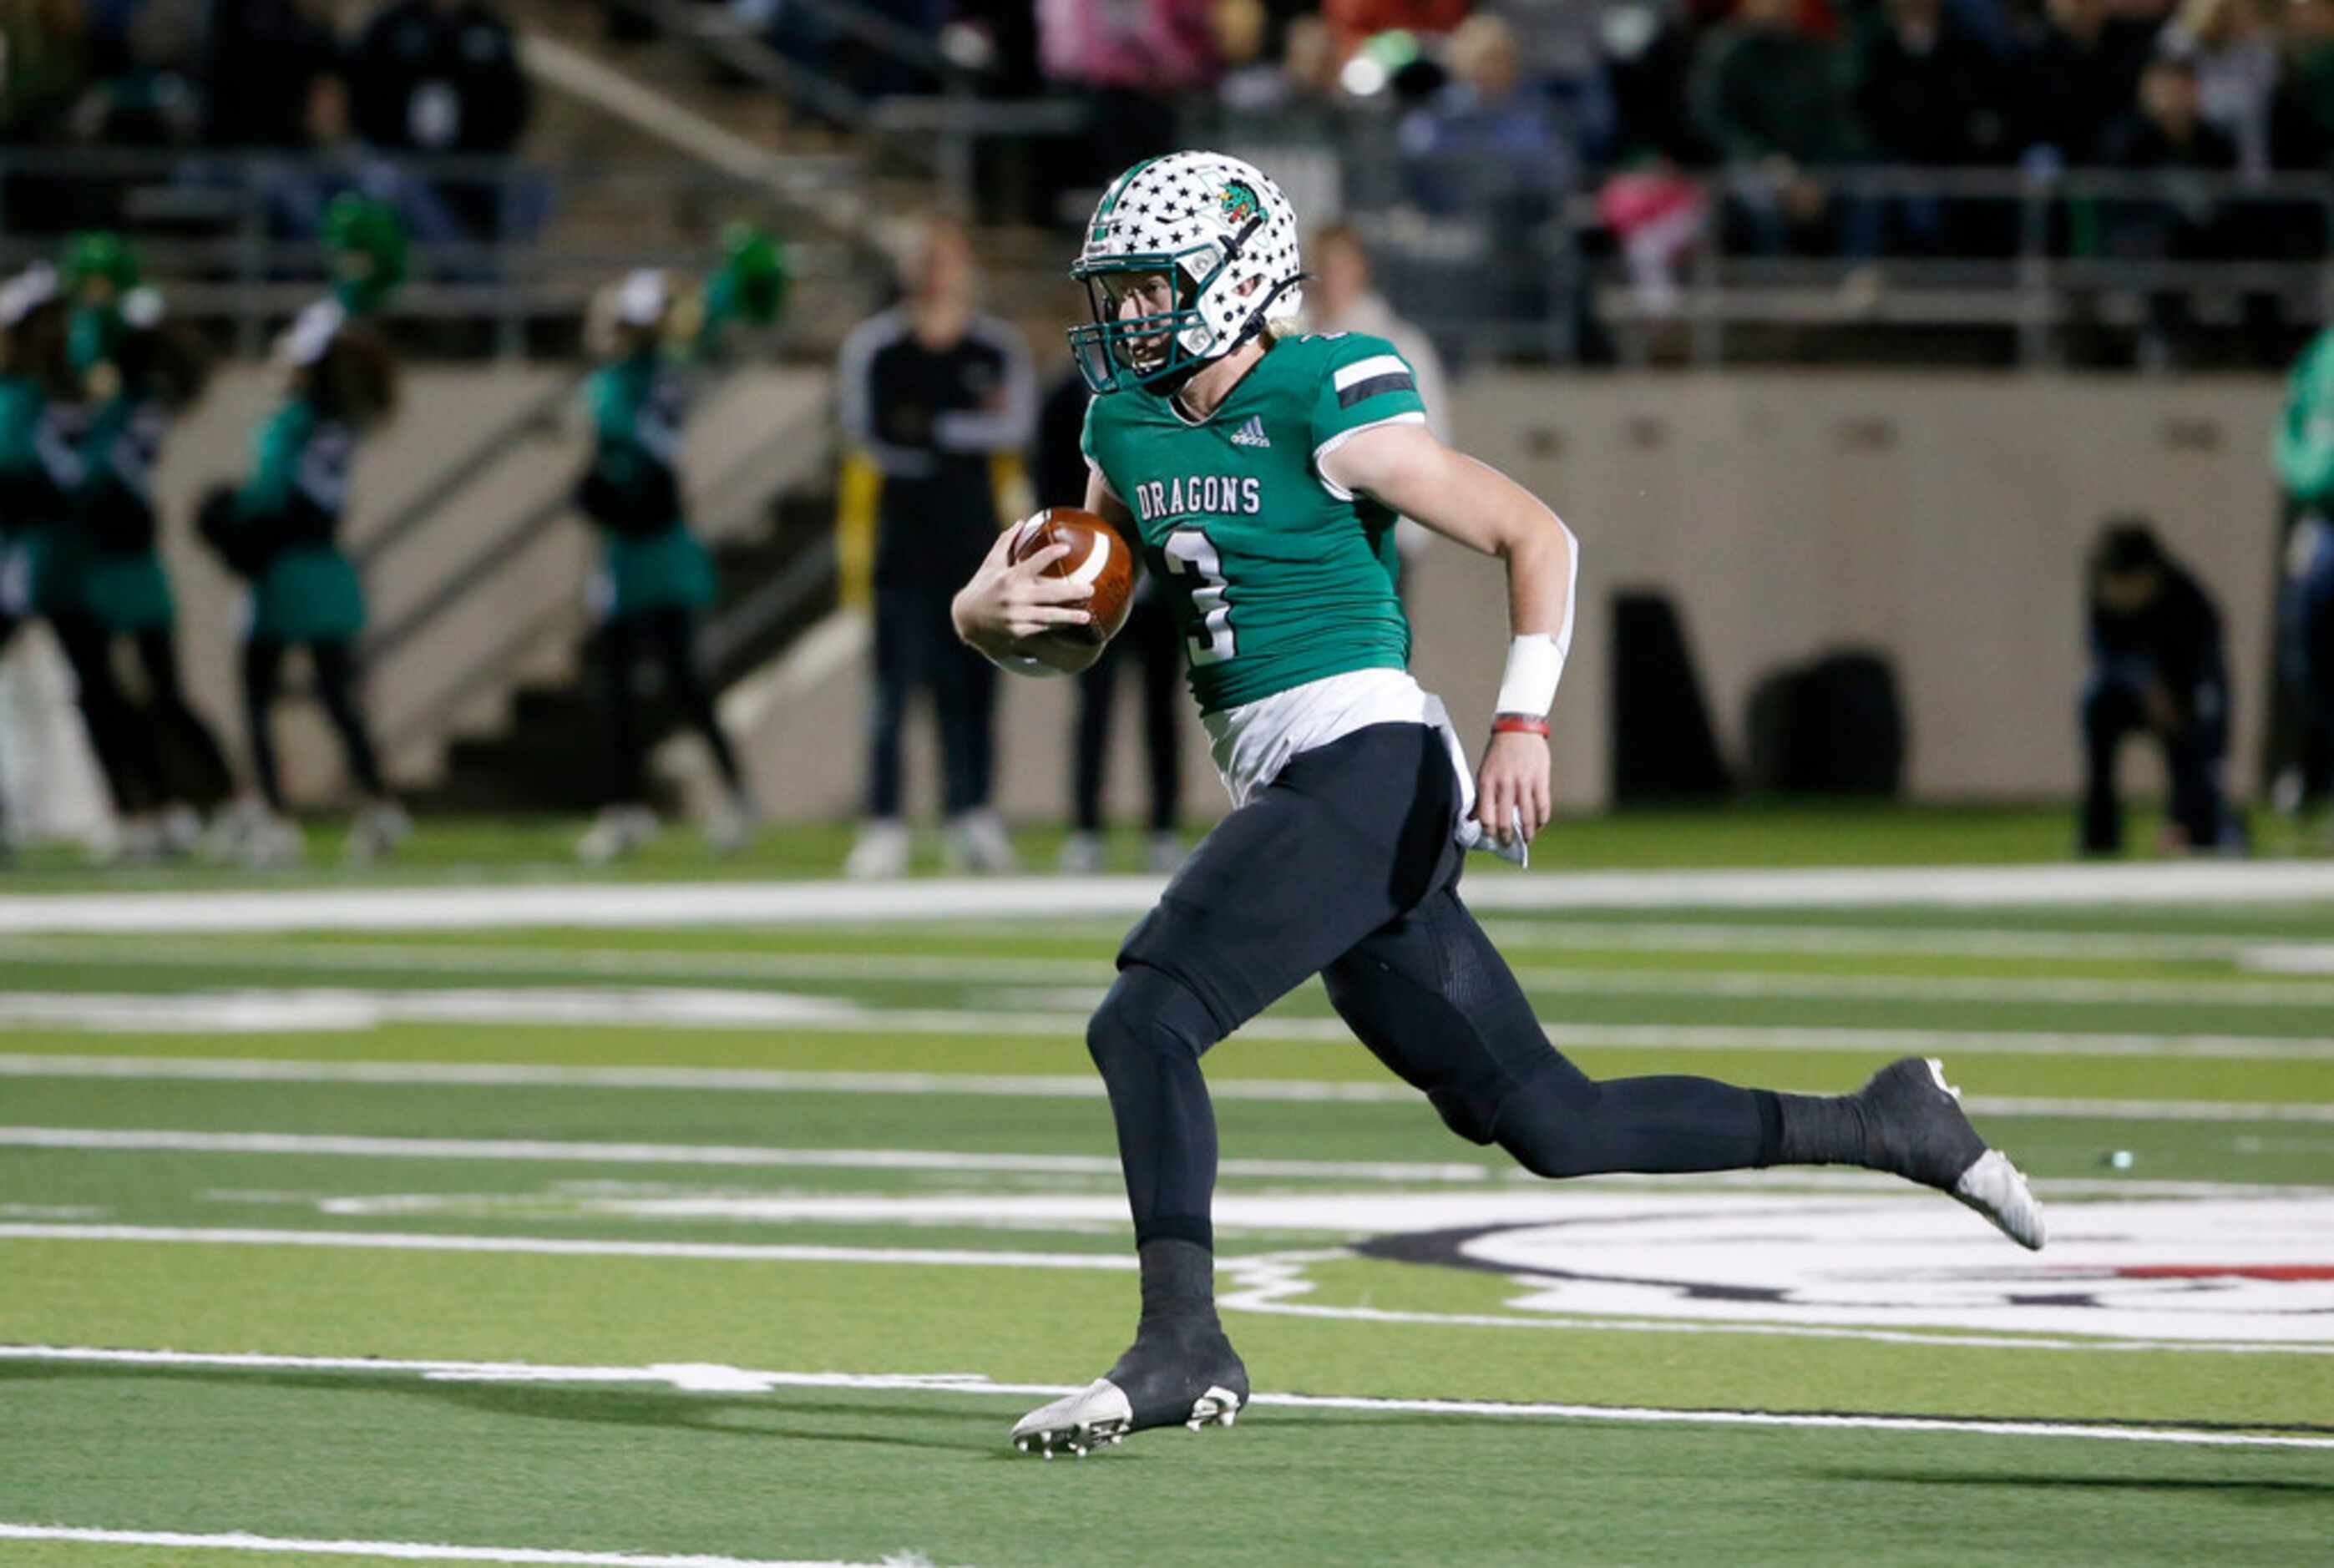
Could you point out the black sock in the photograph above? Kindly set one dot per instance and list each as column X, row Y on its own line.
column 1179, row 1285
column 1821, row 1130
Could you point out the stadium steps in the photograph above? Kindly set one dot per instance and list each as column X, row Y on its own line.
column 550, row 752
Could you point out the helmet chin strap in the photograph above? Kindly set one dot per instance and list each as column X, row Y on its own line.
column 1254, row 322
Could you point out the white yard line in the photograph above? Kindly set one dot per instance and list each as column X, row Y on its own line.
column 717, row 1378
column 1866, row 942
column 848, row 968
column 329, row 1146
column 1039, row 1086
column 401, row 1550
column 344, row 1010
column 562, row 1246
column 581, row 1151
column 574, row 905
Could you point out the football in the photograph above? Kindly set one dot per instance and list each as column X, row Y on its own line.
column 1098, row 560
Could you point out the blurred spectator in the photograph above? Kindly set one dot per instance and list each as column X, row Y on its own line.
column 2229, row 43
column 44, row 65
column 441, row 78
column 1927, row 92
column 1352, row 22
column 436, row 76
column 2170, row 137
column 1659, row 215
column 1487, row 146
column 931, row 391
column 1156, row 46
column 268, row 60
column 1253, row 82
column 2302, row 118
column 1648, row 64
column 2083, row 76
column 142, row 54
column 2157, row 666
column 1768, row 94
column 1149, row 640
column 1131, row 59
column 1341, row 297
column 1485, row 138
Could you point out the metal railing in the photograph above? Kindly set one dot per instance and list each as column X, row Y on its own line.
column 232, row 239
column 1497, row 260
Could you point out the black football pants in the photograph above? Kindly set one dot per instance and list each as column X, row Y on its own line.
column 1344, row 867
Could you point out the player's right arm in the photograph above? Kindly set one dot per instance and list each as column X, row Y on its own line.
column 1005, row 612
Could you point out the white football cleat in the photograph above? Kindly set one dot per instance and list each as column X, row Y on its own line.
column 731, row 827
column 1998, row 1190
column 1081, row 855
column 1096, row 1417
column 1184, row 1375
column 977, row 843
column 1927, row 1138
column 1164, row 854
column 614, row 834
column 882, row 851
column 1100, row 1416
column 271, row 841
column 377, row 832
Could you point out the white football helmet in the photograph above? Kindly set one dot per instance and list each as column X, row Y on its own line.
column 1221, row 230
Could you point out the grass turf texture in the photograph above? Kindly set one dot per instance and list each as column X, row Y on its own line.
column 1752, row 834
column 859, row 1473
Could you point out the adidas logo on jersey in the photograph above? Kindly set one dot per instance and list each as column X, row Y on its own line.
column 1253, row 433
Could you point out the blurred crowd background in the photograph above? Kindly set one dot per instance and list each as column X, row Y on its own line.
column 1614, row 165
column 555, row 223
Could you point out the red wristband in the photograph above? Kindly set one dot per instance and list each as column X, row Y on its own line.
column 1518, row 723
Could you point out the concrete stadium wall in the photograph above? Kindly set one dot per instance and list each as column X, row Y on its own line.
column 1942, row 518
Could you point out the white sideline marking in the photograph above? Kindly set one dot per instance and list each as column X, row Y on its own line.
column 739, row 1379
column 570, row 905
column 561, row 1246
column 1032, row 1085
column 404, row 1550
column 1907, row 941
column 2290, row 958
column 844, row 968
column 345, row 1011
column 618, row 1153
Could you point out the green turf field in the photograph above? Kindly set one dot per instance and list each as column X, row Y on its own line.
column 746, row 1244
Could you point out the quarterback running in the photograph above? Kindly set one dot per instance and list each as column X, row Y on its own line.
column 1262, row 471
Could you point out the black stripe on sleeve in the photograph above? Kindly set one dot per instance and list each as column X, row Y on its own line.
column 1391, row 381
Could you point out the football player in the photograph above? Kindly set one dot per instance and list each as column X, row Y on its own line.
column 1262, row 474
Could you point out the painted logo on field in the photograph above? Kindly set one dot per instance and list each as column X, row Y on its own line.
column 2253, row 1269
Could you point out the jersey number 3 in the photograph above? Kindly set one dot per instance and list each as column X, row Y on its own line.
column 1189, row 553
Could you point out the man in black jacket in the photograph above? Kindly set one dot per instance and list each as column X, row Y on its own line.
column 2157, row 665
column 932, row 390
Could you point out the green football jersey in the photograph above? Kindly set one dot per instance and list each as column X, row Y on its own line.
column 1277, row 575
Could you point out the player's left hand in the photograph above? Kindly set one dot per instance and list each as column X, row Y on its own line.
column 1512, row 786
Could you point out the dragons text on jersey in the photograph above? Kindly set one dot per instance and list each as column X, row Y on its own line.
column 1211, row 495
column 1277, row 575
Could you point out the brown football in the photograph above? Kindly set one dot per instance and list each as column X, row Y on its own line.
column 1098, row 559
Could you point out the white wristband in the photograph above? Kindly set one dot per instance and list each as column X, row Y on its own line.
column 1535, row 664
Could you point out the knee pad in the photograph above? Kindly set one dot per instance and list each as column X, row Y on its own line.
column 1149, row 1014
